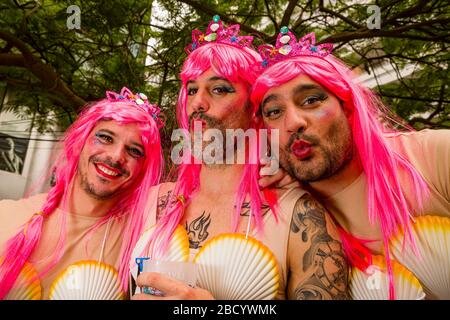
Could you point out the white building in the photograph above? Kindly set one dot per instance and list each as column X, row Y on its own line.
column 32, row 151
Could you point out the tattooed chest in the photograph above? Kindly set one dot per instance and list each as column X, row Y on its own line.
column 198, row 229
column 212, row 221
column 202, row 227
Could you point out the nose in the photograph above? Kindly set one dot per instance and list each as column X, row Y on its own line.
column 199, row 101
column 295, row 120
column 118, row 154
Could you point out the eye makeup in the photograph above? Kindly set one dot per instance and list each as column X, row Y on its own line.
column 102, row 137
column 224, row 89
column 135, row 152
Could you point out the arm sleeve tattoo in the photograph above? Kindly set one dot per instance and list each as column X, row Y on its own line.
column 324, row 261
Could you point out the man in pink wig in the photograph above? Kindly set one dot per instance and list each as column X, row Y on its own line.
column 111, row 156
column 335, row 140
column 212, row 199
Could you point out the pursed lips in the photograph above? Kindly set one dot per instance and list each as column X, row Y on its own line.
column 301, row 149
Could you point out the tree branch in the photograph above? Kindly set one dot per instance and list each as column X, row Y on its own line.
column 340, row 16
column 224, row 17
column 11, row 59
column 408, row 12
column 384, row 94
column 44, row 72
column 270, row 15
column 288, row 13
column 393, row 33
column 300, row 20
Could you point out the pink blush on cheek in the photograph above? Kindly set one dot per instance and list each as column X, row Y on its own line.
column 323, row 114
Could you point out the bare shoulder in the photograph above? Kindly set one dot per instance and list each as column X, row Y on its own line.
column 427, row 140
column 434, row 136
column 14, row 213
column 287, row 188
column 308, row 209
column 317, row 262
column 22, row 207
column 166, row 187
column 165, row 192
column 165, row 196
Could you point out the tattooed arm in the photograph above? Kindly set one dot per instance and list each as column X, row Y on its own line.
column 164, row 198
column 317, row 264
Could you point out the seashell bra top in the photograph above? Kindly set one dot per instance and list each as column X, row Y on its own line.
column 83, row 250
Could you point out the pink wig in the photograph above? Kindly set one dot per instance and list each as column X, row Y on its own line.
column 387, row 202
column 237, row 65
column 132, row 203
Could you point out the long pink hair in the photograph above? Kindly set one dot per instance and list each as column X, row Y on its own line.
column 131, row 203
column 236, row 65
column 387, row 202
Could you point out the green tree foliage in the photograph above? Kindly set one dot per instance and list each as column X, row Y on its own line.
column 53, row 69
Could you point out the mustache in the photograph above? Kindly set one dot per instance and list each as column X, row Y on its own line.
column 108, row 161
column 210, row 121
column 313, row 140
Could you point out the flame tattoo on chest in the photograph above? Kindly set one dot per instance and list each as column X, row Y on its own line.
column 198, row 230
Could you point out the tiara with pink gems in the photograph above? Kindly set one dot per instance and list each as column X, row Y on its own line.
column 140, row 100
column 287, row 47
column 217, row 32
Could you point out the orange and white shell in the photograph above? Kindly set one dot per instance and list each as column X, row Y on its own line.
column 178, row 248
column 432, row 265
column 27, row 285
column 374, row 283
column 87, row 280
column 234, row 267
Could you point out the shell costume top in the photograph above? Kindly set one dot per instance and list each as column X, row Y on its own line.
column 86, row 254
column 229, row 262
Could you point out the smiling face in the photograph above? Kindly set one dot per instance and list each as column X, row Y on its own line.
column 315, row 136
column 110, row 160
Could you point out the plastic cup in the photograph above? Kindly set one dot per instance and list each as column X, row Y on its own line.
column 182, row 271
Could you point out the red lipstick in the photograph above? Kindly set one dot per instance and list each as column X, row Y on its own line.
column 106, row 171
column 301, row 149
